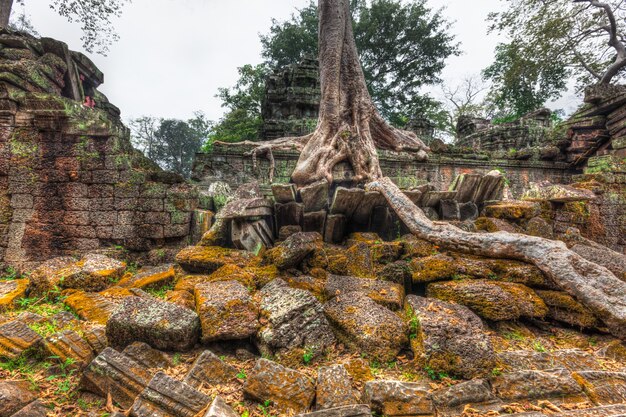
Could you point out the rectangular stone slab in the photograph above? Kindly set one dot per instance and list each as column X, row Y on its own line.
column 346, row 201
column 335, row 229
column 315, row 221
column 363, row 212
column 115, row 373
column 432, row 198
column 465, row 186
column 315, row 196
column 16, row 338
column 284, row 193
column 167, row 397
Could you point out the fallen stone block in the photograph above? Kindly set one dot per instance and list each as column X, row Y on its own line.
column 556, row 193
column 449, row 338
column 97, row 338
column 385, row 293
column 90, row 306
column 209, row 369
column 346, row 201
column 162, row 325
column 395, row 398
column 15, row 395
column 34, row 409
column 69, row 348
column 451, row 401
column 208, row 259
column 226, row 311
column 315, row 222
column 16, row 339
column 167, row 397
column 114, row 373
column 492, row 300
column 334, row 388
column 288, row 389
column 293, row 250
column 294, row 319
column 145, row 355
column 315, row 196
column 360, row 410
column 290, row 214
column 11, row 291
column 219, row 408
column 564, row 308
column 556, row 385
column 284, row 193
column 602, row 387
column 366, row 326
column 150, row 278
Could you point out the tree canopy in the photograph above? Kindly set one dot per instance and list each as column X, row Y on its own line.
column 171, row 143
column 94, row 16
column 402, row 47
column 553, row 42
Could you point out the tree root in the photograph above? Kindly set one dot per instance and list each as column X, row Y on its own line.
column 592, row 285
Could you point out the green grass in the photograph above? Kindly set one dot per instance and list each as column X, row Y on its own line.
column 160, row 292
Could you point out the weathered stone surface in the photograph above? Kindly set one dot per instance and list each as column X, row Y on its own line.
column 252, row 235
column 572, row 359
column 34, row 409
column 557, row 193
column 207, row 259
column 465, row 186
column 88, row 306
column 334, row 388
column 289, row 214
column 315, row 196
column 613, row 261
column 602, row 387
column 288, row 389
column 167, row 397
column 562, row 307
column 491, row 299
column 219, row 408
column 615, row 350
column 449, row 210
column 293, row 250
column 162, row 325
column 537, row 226
column 226, row 311
column 68, row 345
column 115, row 373
column 398, row 272
column 150, row 278
column 14, row 395
column 182, row 298
column 512, row 210
column 468, row 211
column 449, row 338
column 335, row 228
column 384, row 293
column 284, row 193
column 491, row 225
column 557, row 385
column 145, row 355
column 451, row 401
column 16, row 338
column 346, row 201
column 287, row 231
column 97, row 338
column 93, row 272
column 366, row 326
column 315, row 222
column 294, row 319
column 360, row 410
column 209, row 369
column 11, row 291
column 395, row 398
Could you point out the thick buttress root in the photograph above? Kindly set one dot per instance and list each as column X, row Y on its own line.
column 592, row 285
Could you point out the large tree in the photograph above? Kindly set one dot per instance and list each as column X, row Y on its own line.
column 93, row 15
column 402, row 45
column 350, row 129
column 553, row 41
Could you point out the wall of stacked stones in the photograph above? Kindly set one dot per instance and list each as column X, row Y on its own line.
column 70, row 182
column 232, row 165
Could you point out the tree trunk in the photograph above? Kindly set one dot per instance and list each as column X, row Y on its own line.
column 592, row 285
column 349, row 127
column 5, row 12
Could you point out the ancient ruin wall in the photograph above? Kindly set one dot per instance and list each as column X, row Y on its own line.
column 231, row 164
column 70, row 181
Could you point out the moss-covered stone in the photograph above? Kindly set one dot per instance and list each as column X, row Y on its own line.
column 208, row 259
column 563, row 307
column 491, row 299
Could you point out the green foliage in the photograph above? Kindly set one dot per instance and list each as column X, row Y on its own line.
column 402, row 47
column 160, row 292
column 176, row 359
column 414, row 323
column 496, row 372
column 10, row 274
column 171, row 143
column 242, row 375
column 551, row 43
column 538, row 346
column 308, row 355
column 514, row 335
column 265, row 408
column 434, row 375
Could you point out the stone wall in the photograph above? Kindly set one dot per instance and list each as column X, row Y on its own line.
column 70, row 181
column 229, row 163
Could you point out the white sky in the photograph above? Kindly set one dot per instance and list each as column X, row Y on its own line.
column 174, row 54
